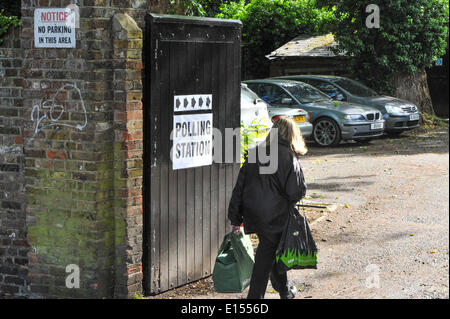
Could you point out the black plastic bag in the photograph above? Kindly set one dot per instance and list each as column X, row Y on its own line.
column 297, row 249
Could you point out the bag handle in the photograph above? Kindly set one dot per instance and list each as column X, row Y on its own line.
column 226, row 244
column 237, row 244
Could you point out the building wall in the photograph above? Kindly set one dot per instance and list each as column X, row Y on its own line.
column 307, row 65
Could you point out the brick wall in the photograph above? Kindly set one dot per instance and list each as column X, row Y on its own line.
column 13, row 246
column 81, row 174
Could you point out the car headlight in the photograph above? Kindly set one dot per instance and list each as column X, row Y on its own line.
column 394, row 110
column 354, row 117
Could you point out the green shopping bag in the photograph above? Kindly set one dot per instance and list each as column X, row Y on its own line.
column 234, row 264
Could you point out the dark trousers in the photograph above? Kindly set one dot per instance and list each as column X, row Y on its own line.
column 265, row 267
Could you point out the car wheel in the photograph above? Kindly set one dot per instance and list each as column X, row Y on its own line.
column 326, row 132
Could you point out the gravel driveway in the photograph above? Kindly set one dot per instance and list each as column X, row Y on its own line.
column 391, row 239
column 389, row 236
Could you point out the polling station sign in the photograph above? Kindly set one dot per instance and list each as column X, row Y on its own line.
column 192, row 140
column 54, row 28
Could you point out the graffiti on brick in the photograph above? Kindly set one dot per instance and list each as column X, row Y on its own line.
column 49, row 112
column 5, row 149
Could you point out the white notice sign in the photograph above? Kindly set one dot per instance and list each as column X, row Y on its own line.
column 192, row 140
column 54, row 28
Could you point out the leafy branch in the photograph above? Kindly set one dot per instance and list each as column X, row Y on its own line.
column 249, row 134
column 6, row 22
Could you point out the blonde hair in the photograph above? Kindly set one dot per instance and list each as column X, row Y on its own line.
column 289, row 131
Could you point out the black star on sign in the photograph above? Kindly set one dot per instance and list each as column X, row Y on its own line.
column 177, row 103
column 193, row 102
column 186, row 102
column 208, row 101
column 200, row 101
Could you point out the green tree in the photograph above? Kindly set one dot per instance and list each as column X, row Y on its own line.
column 212, row 7
column 268, row 24
column 411, row 35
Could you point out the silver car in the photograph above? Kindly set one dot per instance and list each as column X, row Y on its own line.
column 400, row 115
column 300, row 116
column 333, row 121
column 254, row 113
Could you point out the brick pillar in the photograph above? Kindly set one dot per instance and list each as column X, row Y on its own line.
column 128, row 152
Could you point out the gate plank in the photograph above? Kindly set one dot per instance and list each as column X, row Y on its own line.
column 214, row 236
column 190, row 177
column 237, row 97
column 182, row 180
column 164, row 146
column 173, row 175
column 198, row 178
column 229, row 109
column 153, row 223
column 222, row 121
column 206, row 88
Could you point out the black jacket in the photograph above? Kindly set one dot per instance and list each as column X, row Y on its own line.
column 262, row 201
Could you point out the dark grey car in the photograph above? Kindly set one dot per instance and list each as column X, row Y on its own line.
column 400, row 115
column 333, row 121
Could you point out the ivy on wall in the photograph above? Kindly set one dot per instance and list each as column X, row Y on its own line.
column 6, row 22
column 9, row 16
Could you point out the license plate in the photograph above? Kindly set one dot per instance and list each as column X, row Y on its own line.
column 377, row 126
column 299, row 118
column 414, row 117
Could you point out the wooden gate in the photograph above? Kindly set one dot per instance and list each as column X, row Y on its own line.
column 185, row 210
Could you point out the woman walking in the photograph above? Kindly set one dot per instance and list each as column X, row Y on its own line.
column 262, row 203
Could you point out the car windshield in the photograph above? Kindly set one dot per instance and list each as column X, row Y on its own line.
column 355, row 88
column 305, row 93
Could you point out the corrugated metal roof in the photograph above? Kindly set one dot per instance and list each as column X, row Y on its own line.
column 307, row 45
